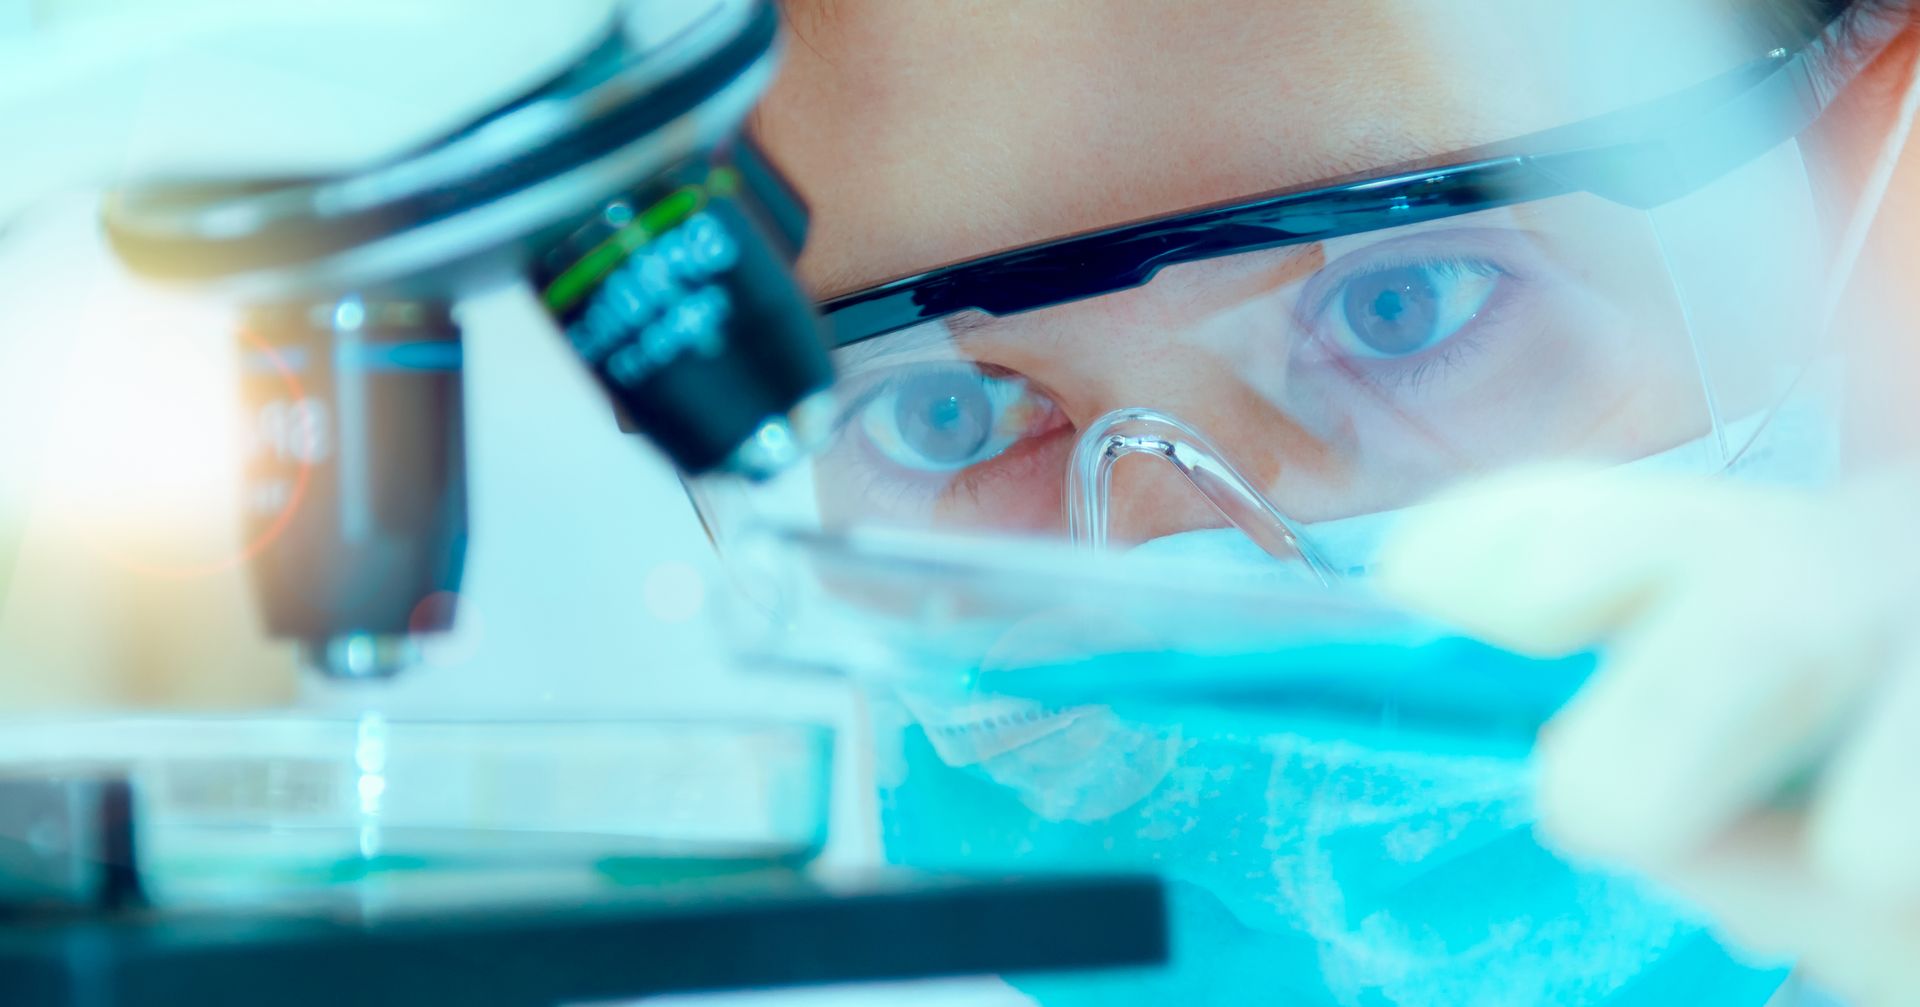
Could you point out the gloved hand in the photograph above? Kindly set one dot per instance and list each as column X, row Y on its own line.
column 1749, row 635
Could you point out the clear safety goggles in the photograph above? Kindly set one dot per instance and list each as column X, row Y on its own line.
column 1648, row 282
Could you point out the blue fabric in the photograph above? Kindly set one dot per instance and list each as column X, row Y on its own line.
column 1222, row 829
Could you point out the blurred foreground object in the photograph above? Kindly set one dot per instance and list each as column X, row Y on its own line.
column 502, row 863
column 1755, row 640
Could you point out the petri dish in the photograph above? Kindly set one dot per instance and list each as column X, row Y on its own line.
column 996, row 625
column 245, row 807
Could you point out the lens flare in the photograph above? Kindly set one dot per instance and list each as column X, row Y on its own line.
column 145, row 442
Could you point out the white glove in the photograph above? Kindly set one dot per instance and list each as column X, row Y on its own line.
column 1748, row 634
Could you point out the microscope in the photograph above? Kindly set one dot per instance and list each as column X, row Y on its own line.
column 623, row 191
column 624, row 195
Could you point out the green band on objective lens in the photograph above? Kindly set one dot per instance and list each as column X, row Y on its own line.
column 670, row 212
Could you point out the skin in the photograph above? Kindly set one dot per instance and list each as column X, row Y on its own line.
column 924, row 134
column 919, row 134
column 928, row 133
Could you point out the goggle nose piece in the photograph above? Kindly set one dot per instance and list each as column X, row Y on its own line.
column 1127, row 432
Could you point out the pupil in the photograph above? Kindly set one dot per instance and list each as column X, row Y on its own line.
column 1394, row 312
column 945, row 418
column 944, row 413
column 1389, row 305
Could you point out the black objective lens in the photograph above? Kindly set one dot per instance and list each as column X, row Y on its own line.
column 356, row 476
column 680, row 296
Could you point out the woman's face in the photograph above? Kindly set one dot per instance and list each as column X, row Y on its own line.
column 1345, row 377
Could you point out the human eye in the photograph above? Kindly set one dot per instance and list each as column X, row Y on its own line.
column 1395, row 311
column 949, row 416
column 1403, row 307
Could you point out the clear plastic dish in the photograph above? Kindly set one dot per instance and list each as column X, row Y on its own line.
column 976, row 624
column 241, row 807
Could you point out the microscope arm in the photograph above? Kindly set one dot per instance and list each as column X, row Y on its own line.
column 97, row 92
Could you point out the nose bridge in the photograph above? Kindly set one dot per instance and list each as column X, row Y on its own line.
column 1148, row 499
column 1145, row 496
column 1145, row 375
column 1193, row 486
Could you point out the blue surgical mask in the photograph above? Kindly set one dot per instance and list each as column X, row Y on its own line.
column 1311, row 872
column 1318, row 871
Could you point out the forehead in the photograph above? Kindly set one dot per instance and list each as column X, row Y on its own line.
column 925, row 133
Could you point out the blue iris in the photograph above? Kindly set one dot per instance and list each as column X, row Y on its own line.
column 944, row 418
column 1399, row 311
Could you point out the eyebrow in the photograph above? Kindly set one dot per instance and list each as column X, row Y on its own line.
column 844, row 279
column 866, row 353
column 839, row 281
column 1298, row 263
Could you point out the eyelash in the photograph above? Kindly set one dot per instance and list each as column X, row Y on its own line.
column 1322, row 295
column 1326, row 288
column 887, row 488
column 1413, row 374
column 881, row 476
column 878, row 382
